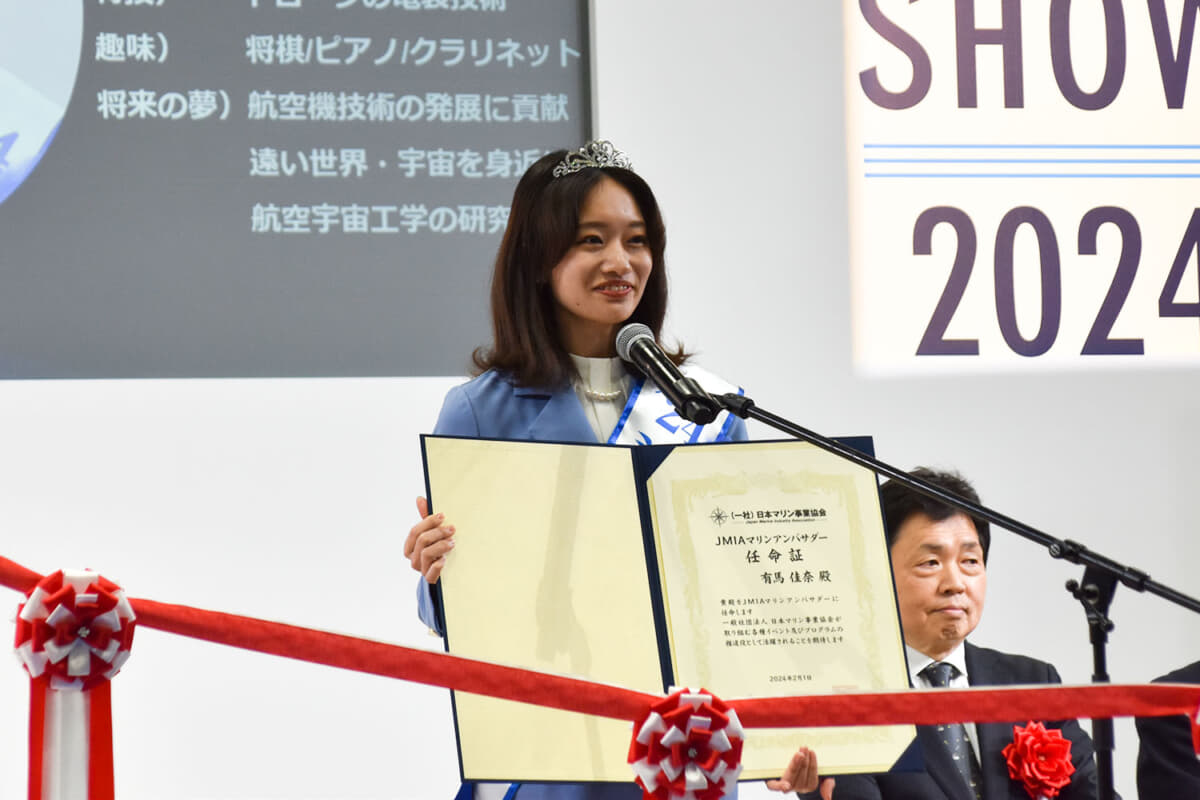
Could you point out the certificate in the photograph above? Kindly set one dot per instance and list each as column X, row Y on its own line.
column 776, row 581
column 753, row 569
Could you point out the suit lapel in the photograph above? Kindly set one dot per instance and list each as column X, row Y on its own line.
column 993, row 736
column 561, row 417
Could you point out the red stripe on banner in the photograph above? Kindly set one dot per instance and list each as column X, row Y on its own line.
column 37, row 733
column 100, row 755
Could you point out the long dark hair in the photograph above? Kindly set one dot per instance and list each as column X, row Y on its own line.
column 542, row 226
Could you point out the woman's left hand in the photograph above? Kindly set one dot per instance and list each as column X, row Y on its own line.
column 801, row 776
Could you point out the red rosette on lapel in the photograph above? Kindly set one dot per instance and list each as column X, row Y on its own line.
column 687, row 746
column 1039, row 759
column 1195, row 719
column 74, row 632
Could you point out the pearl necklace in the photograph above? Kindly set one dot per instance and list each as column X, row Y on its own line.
column 592, row 394
column 606, row 372
column 600, row 384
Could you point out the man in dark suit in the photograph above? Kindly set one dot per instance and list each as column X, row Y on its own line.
column 939, row 560
column 1167, row 766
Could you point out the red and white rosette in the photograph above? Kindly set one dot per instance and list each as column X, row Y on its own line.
column 687, row 747
column 74, row 632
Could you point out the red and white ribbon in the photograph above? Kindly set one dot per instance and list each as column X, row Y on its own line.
column 687, row 747
column 979, row 704
column 74, row 632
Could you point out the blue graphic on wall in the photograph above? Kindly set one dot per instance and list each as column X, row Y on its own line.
column 39, row 57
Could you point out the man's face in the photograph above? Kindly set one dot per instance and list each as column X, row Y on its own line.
column 940, row 581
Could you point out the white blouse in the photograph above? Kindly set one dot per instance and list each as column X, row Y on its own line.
column 602, row 388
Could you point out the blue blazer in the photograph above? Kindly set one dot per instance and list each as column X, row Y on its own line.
column 492, row 407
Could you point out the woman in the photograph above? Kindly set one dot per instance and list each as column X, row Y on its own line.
column 581, row 257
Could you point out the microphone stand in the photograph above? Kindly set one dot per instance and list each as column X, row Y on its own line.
column 1100, row 577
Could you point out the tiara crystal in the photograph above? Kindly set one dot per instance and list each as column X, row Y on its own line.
column 598, row 153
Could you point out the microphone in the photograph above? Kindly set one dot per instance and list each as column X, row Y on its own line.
column 635, row 343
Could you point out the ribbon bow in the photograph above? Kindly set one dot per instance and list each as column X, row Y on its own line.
column 74, row 632
column 688, row 746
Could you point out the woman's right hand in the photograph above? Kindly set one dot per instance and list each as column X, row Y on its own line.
column 428, row 542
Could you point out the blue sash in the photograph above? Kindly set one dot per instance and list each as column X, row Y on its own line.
column 649, row 418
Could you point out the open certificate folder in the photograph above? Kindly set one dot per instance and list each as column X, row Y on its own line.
column 752, row 569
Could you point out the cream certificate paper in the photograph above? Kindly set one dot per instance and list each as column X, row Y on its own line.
column 774, row 577
column 776, row 582
column 548, row 573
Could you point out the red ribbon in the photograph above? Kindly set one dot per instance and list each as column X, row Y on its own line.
column 100, row 757
column 984, row 704
column 37, row 733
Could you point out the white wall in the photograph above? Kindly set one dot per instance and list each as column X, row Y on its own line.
column 745, row 147
column 289, row 500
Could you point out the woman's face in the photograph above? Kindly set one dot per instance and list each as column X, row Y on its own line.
column 600, row 280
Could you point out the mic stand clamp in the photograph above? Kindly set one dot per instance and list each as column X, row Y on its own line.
column 1095, row 593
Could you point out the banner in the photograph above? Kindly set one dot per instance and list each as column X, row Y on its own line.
column 1022, row 185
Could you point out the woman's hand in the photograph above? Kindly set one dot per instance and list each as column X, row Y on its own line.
column 428, row 542
column 801, row 776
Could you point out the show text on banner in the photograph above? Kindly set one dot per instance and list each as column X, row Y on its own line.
column 1022, row 185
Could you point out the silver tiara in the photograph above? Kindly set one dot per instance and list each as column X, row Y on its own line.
column 599, row 153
